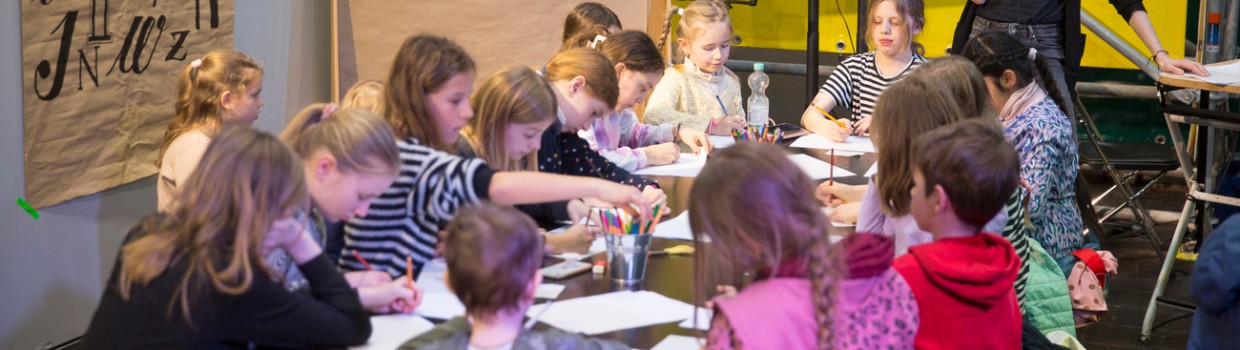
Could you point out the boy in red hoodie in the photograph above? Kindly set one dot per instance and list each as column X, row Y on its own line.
column 964, row 173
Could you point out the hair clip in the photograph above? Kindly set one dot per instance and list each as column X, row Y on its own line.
column 1033, row 54
column 680, row 11
column 328, row 109
column 196, row 63
column 597, row 39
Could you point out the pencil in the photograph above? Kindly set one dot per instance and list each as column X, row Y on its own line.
column 363, row 261
column 720, row 100
column 409, row 271
column 837, row 121
column 831, row 173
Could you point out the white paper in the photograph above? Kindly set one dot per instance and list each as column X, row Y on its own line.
column 431, row 278
column 679, row 342
column 390, row 331
column 703, row 320
column 675, row 228
column 611, row 312
column 440, row 306
column 816, row 168
column 1221, row 75
column 689, row 165
column 598, row 246
column 548, row 291
column 873, row 170
column 851, row 144
column 827, row 212
column 722, row 141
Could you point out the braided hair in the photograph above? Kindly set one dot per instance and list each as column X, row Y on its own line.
column 995, row 52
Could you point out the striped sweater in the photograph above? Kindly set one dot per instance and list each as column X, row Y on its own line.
column 405, row 220
column 856, row 83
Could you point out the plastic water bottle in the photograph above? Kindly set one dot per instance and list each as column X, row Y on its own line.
column 759, row 106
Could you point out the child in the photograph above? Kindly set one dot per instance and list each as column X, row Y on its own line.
column 586, row 89
column 754, row 207
column 493, row 254
column 426, row 91
column 963, row 174
column 587, row 20
column 349, row 157
column 1214, row 287
column 701, row 93
column 917, row 104
column 193, row 277
column 857, row 82
column 513, row 108
column 1042, row 134
column 221, row 88
column 619, row 136
column 366, row 94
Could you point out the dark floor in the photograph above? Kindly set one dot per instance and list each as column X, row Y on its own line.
column 1139, row 265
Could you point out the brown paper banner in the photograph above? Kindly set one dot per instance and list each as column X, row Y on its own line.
column 99, row 87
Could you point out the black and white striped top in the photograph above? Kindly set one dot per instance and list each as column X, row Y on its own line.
column 856, row 83
column 405, row 220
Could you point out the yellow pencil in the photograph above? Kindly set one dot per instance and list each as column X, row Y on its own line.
column 837, row 121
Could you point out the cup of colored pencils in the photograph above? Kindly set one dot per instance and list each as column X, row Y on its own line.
column 759, row 133
column 628, row 240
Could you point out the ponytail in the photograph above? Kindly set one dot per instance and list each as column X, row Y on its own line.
column 199, row 88
column 359, row 140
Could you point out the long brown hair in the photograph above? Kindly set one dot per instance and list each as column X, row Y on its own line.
column 600, row 75
column 758, row 210
column 199, row 90
column 246, row 181
column 423, row 65
column 588, row 16
column 513, row 95
column 910, row 107
column 914, row 14
column 965, row 81
column 634, row 49
column 697, row 14
column 360, row 141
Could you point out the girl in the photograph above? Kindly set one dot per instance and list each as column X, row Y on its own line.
column 193, row 277
column 514, row 107
column 349, row 157
column 619, row 136
column 586, row 89
column 221, row 88
column 761, row 221
column 366, row 94
column 589, row 17
column 1041, row 131
column 701, row 93
column 857, row 82
column 426, row 91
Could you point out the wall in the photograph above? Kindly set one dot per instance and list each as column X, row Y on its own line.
column 52, row 270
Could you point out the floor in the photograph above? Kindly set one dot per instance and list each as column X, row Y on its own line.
column 1139, row 264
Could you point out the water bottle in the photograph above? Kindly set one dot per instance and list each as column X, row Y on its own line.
column 759, row 105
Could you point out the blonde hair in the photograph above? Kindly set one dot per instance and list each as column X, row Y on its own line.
column 695, row 16
column 247, row 180
column 513, row 95
column 965, row 81
column 600, row 75
column 199, row 90
column 908, row 108
column 361, row 141
column 367, row 94
column 758, row 210
column 913, row 12
column 423, row 65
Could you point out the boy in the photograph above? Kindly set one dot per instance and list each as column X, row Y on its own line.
column 493, row 254
column 963, row 174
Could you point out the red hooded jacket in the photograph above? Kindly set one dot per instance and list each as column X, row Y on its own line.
column 963, row 288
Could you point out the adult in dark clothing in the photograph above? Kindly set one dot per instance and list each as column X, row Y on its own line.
column 195, row 277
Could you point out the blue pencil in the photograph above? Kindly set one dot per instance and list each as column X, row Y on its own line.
column 725, row 109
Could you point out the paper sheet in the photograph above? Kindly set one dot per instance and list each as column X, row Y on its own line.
column 873, row 170
column 1221, row 75
column 722, row 141
column 816, row 168
column 390, row 331
column 851, row 144
column 598, row 246
column 612, row 312
column 827, row 211
column 440, row 305
column 675, row 228
column 689, row 165
column 679, row 342
column 703, row 320
column 548, row 291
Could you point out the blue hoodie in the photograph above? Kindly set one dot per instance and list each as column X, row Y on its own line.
column 1216, row 289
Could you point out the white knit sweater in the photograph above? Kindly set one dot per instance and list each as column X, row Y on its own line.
column 687, row 96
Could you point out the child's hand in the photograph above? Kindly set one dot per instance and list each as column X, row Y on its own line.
column 359, row 279
column 623, row 196
column 832, row 194
column 837, row 133
column 577, row 209
column 575, row 239
column 698, row 142
column 723, row 291
column 660, row 154
column 845, row 213
column 863, row 126
column 655, row 196
column 391, row 297
column 723, row 126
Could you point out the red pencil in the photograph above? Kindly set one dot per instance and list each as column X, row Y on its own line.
column 363, row 261
column 831, row 174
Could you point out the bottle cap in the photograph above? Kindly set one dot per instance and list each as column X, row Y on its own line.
column 759, row 66
column 1215, row 18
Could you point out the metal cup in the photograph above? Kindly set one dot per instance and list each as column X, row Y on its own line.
column 627, row 256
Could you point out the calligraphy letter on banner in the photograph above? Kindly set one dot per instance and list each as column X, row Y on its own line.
column 99, row 87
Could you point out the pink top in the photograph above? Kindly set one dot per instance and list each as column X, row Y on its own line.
column 619, row 137
column 904, row 229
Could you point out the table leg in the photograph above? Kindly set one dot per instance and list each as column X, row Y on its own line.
column 1165, row 273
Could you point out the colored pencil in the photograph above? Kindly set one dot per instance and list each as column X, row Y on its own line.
column 409, row 271
column 837, row 121
column 363, row 261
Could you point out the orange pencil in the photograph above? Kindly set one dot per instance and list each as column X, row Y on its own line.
column 837, row 121
column 409, row 271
